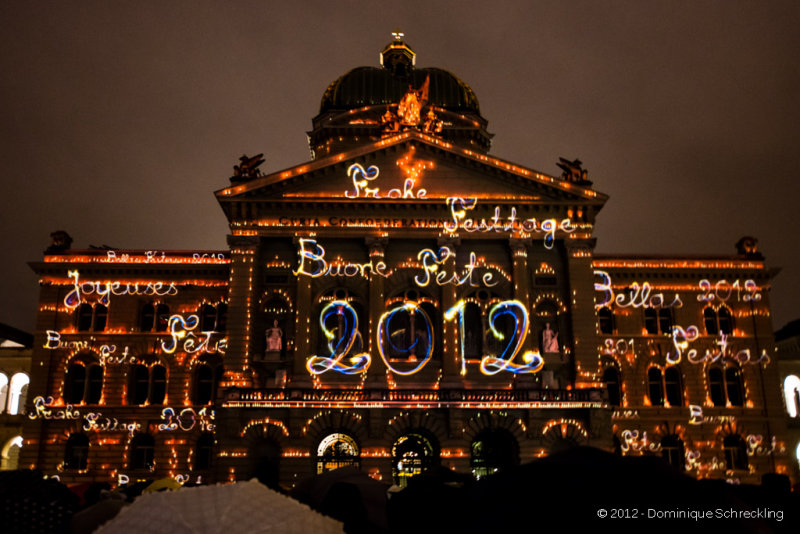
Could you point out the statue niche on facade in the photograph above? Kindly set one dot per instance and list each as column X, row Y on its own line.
column 550, row 340
column 274, row 338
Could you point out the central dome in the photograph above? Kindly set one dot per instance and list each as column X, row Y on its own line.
column 355, row 106
column 369, row 86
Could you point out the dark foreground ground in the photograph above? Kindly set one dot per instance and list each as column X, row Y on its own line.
column 581, row 490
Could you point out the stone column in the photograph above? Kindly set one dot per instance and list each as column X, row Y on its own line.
column 241, row 309
column 451, row 346
column 521, row 281
column 376, row 375
column 583, row 318
column 304, row 321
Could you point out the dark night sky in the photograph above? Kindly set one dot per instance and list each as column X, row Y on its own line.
column 120, row 119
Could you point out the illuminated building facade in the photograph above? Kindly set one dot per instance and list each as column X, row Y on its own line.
column 787, row 342
column 402, row 301
column 15, row 364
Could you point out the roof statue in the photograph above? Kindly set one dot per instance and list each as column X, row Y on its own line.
column 747, row 246
column 573, row 170
column 247, row 168
column 60, row 241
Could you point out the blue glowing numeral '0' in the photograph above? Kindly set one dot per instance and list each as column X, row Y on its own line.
column 340, row 342
column 417, row 345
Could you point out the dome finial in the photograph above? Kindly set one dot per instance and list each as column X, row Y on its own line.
column 397, row 56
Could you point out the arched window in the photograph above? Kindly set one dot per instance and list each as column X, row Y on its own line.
column 91, row 317
column 733, row 386
column 725, row 387
column 204, row 451
column 791, row 394
column 605, row 319
column 735, row 452
column 716, row 386
column 212, row 317
column 222, row 317
column 673, row 386
column 158, row 384
column 493, row 450
column 658, row 321
column 206, row 380
column 147, row 384
column 9, row 455
column 74, row 383
column 655, row 387
column 208, row 318
column 665, row 320
column 725, row 321
column 651, row 321
column 710, row 321
column 412, row 454
column 162, row 317
column 84, row 317
column 138, row 384
column 3, row 392
column 672, row 451
column 100, row 318
column 94, row 385
column 436, row 327
column 142, row 452
column 76, row 453
column 612, row 380
column 718, row 322
column 337, row 450
column 154, row 318
column 147, row 318
column 473, row 331
column 83, row 383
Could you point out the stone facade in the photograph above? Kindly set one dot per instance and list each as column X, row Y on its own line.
column 402, row 301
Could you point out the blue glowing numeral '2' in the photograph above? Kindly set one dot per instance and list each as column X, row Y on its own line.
column 340, row 342
column 491, row 365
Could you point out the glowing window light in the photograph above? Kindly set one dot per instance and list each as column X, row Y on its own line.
column 339, row 342
column 16, row 395
column 7, row 455
column 336, row 450
column 797, row 454
column 3, row 391
column 389, row 341
column 791, row 394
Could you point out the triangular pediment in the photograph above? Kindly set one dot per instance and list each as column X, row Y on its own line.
column 410, row 167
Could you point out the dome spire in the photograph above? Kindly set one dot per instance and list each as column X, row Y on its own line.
column 397, row 57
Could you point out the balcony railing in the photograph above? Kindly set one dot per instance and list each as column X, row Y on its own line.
column 469, row 398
